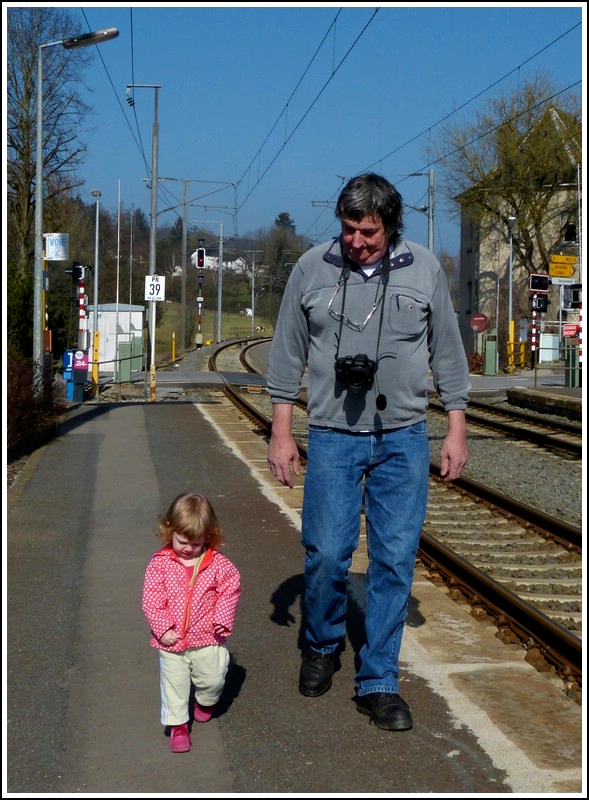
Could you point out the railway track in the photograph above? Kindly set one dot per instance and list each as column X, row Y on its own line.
column 516, row 567
column 563, row 437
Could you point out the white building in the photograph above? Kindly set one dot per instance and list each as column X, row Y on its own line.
column 121, row 332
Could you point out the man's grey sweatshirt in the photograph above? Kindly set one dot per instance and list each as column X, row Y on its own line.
column 413, row 331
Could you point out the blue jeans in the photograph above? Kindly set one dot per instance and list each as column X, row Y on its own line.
column 389, row 471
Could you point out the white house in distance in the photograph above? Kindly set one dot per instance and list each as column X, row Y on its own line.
column 212, row 262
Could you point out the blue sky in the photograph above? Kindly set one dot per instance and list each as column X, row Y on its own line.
column 284, row 99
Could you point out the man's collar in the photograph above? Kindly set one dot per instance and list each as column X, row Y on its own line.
column 403, row 259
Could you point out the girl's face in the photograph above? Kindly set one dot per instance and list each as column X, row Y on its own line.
column 186, row 549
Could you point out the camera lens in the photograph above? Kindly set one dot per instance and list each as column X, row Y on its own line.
column 357, row 378
column 356, row 372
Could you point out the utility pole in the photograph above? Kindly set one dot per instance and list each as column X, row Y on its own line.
column 183, row 291
column 430, row 211
column 153, row 230
column 220, row 284
column 186, row 181
column 184, row 204
column 430, row 208
column 253, row 253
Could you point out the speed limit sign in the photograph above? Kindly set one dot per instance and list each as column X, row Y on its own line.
column 155, row 287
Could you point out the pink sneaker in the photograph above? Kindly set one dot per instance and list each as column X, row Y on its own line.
column 202, row 713
column 179, row 738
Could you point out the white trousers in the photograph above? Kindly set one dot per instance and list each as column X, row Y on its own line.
column 204, row 667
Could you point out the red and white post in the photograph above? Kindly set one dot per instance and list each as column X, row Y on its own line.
column 82, row 327
column 533, row 340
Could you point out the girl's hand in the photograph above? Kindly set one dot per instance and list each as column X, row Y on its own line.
column 169, row 638
column 221, row 629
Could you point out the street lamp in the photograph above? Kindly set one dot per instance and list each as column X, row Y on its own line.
column 511, row 331
column 70, row 43
column 95, row 335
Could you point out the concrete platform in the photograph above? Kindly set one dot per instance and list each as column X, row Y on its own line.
column 83, row 699
column 521, row 718
column 559, row 401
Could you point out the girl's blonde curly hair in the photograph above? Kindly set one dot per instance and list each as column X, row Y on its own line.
column 192, row 516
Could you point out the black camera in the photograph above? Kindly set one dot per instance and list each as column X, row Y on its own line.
column 356, row 372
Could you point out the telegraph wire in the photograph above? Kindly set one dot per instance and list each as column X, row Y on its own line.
column 116, row 93
column 323, row 88
column 333, row 73
column 468, row 102
column 447, row 116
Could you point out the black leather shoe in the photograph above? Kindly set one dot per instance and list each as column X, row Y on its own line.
column 316, row 673
column 388, row 711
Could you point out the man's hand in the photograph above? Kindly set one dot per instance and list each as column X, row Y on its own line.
column 454, row 450
column 283, row 459
column 283, row 454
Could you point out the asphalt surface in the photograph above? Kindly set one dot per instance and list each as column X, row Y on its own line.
column 82, row 710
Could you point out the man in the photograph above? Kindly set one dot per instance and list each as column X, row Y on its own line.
column 370, row 315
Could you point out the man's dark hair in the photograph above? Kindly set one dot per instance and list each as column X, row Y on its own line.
column 371, row 195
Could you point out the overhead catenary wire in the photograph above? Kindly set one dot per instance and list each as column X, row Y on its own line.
column 429, row 128
column 305, row 114
column 334, row 70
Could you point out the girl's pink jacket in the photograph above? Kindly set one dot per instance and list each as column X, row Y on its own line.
column 169, row 602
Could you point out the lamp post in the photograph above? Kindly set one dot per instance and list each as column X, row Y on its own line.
column 95, row 335
column 70, row 43
column 510, row 336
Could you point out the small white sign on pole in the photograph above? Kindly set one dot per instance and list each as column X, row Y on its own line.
column 57, row 246
column 155, row 287
column 562, row 281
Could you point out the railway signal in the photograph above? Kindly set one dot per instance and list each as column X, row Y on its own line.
column 78, row 273
column 538, row 302
column 199, row 300
column 539, row 282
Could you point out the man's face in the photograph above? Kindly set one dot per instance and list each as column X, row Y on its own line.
column 366, row 241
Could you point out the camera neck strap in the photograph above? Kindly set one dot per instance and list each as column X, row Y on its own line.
column 382, row 278
column 386, row 269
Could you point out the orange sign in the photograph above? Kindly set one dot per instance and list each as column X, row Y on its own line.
column 563, row 259
column 560, row 270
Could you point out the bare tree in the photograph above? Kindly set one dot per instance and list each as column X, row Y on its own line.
column 63, row 115
column 517, row 157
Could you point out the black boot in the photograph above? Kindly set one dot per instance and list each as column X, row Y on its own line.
column 316, row 673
